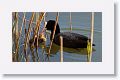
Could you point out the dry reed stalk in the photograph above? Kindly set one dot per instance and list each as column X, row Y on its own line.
column 28, row 36
column 37, row 17
column 37, row 28
column 44, row 19
column 25, row 30
column 70, row 22
column 13, row 35
column 45, row 23
column 53, row 34
column 91, row 37
column 27, row 20
column 39, row 22
column 44, row 30
column 16, row 37
column 25, row 34
column 61, row 49
column 13, row 22
column 23, row 21
column 29, row 33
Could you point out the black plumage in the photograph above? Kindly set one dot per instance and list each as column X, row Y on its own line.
column 70, row 39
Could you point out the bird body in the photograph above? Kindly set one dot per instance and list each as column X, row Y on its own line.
column 70, row 39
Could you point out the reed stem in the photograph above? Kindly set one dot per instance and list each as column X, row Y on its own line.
column 23, row 21
column 91, row 36
column 37, row 18
column 37, row 28
column 16, row 37
column 45, row 23
column 26, row 41
column 70, row 22
column 61, row 49
column 56, row 22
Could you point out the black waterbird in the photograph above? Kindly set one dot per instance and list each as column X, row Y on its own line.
column 70, row 39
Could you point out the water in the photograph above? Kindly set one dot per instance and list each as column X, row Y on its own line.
column 81, row 22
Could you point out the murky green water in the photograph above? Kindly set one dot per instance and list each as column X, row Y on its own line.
column 81, row 24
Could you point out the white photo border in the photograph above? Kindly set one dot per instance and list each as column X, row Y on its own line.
column 104, row 67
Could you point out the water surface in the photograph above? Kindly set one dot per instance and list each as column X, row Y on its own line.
column 81, row 22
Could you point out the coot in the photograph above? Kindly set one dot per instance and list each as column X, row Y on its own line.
column 70, row 39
